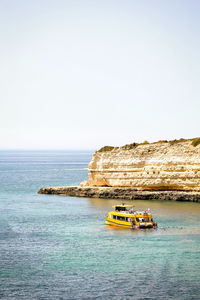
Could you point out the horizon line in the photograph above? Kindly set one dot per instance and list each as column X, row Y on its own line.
column 45, row 149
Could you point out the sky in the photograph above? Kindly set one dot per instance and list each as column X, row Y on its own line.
column 85, row 74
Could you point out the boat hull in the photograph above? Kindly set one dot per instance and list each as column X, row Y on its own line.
column 123, row 224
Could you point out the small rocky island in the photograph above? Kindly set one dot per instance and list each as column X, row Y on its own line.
column 165, row 170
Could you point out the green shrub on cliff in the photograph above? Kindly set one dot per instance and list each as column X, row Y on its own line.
column 196, row 142
column 161, row 142
column 106, row 148
column 129, row 146
column 145, row 142
column 133, row 145
column 172, row 142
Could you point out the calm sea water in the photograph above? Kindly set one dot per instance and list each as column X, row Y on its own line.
column 56, row 247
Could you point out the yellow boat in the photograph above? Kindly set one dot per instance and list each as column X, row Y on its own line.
column 127, row 217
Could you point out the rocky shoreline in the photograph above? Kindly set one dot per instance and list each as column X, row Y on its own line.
column 127, row 193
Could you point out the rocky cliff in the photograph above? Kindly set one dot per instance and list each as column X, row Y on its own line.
column 173, row 165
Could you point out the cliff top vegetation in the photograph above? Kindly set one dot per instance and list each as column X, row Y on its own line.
column 194, row 142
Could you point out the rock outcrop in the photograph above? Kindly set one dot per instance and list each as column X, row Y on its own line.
column 120, row 193
column 160, row 166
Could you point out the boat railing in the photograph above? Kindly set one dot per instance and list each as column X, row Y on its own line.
column 136, row 212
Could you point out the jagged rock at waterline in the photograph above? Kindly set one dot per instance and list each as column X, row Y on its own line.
column 120, row 193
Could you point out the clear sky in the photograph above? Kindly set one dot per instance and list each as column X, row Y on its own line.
column 84, row 74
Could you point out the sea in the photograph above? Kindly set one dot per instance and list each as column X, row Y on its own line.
column 56, row 247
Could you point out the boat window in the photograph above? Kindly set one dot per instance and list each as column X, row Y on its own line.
column 114, row 217
column 120, row 218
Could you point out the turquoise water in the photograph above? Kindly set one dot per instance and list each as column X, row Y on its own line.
column 56, row 247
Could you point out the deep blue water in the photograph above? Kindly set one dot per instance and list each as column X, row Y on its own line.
column 56, row 247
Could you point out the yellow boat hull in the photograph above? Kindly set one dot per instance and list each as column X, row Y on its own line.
column 122, row 224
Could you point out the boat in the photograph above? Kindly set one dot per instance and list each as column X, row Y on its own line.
column 127, row 217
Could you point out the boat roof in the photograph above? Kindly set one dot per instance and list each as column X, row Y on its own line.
column 130, row 209
column 123, row 205
column 135, row 212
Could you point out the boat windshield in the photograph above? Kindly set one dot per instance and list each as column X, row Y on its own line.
column 120, row 208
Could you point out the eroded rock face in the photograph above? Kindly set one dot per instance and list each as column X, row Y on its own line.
column 160, row 166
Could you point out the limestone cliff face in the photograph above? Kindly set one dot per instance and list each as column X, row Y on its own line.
column 159, row 166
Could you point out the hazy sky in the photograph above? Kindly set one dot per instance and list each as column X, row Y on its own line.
column 84, row 74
